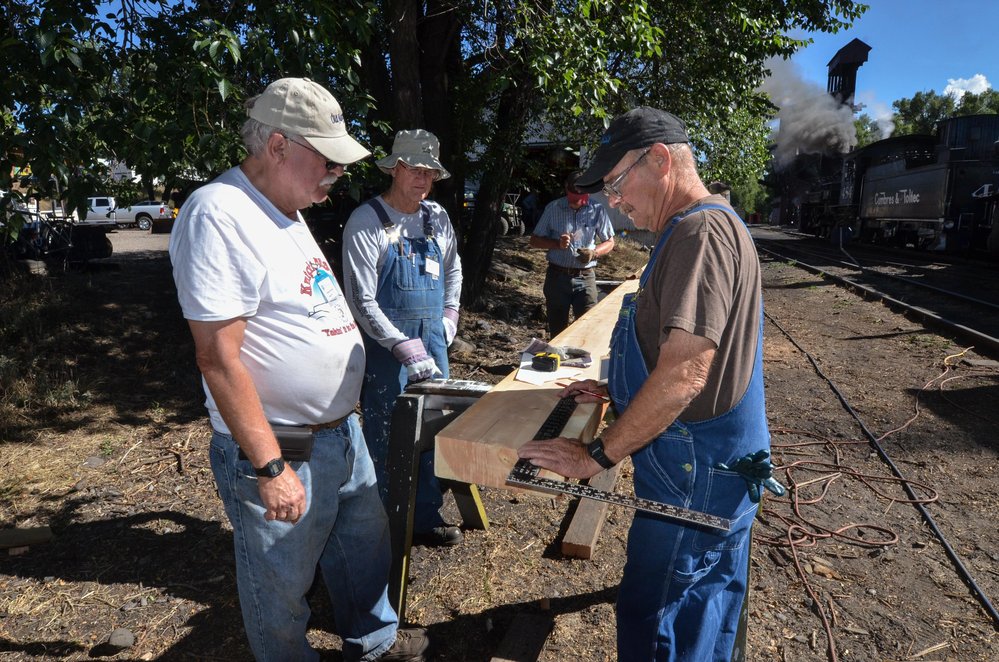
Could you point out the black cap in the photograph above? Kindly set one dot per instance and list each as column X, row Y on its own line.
column 635, row 129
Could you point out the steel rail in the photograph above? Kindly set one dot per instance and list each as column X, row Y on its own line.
column 983, row 342
column 959, row 566
column 903, row 279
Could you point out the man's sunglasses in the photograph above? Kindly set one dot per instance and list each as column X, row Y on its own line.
column 330, row 165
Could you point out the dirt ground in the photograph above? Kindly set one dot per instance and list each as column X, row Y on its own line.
column 103, row 439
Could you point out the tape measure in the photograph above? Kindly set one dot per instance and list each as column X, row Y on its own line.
column 545, row 362
column 525, row 474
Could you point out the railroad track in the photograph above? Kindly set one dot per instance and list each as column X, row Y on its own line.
column 961, row 299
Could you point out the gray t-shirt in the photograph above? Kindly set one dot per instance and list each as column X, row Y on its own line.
column 706, row 281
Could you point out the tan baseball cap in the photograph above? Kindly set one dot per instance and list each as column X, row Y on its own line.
column 300, row 106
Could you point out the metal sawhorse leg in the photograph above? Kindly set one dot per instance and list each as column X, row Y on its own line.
column 422, row 411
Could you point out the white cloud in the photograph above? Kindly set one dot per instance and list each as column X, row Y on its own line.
column 956, row 87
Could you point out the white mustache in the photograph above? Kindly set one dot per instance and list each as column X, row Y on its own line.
column 329, row 180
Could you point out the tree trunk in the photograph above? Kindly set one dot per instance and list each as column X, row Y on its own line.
column 501, row 154
column 404, row 50
column 440, row 65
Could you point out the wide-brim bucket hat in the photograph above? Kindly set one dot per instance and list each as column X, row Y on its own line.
column 417, row 148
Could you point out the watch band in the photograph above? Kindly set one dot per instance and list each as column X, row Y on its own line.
column 596, row 450
column 272, row 469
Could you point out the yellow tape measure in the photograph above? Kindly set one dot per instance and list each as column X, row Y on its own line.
column 545, row 362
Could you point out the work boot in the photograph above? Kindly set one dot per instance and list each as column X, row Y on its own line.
column 410, row 645
column 445, row 535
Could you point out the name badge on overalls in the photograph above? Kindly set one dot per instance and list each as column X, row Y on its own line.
column 433, row 268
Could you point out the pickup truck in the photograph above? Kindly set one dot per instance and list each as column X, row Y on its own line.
column 141, row 214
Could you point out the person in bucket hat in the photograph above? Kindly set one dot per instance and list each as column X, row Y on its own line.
column 403, row 284
column 686, row 380
column 417, row 149
column 281, row 361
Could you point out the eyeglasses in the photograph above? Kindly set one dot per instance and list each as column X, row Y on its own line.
column 614, row 188
column 420, row 170
column 330, row 165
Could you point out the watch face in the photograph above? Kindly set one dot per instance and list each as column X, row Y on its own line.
column 272, row 469
column 596, row 450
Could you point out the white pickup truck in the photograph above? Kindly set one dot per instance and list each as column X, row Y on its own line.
column 141, row 214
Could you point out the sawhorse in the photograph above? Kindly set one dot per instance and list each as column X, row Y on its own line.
column 422, row 411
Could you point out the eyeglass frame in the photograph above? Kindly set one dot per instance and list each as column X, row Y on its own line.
column 613, row 189
column 435, row 173
column 330, row 165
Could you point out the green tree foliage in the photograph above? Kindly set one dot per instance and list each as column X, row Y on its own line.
column 979, row 104
column 160, row 85
column 868, row 130
column 920, row 114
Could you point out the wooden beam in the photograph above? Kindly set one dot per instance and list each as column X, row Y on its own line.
column 12, row 538
column 580, row 539
column 526, row 638
column 480, row 446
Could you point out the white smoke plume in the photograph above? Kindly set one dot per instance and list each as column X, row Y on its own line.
column 882, row 114
column 810, row 120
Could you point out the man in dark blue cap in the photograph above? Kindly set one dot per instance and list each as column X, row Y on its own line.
column 686, row 380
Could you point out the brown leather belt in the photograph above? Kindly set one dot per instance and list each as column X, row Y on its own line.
column 569, row 270
column 327, row 426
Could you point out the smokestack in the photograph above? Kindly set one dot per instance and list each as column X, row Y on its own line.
column 810, row 120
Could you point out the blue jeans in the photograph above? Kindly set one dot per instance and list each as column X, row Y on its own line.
column 344, row 530
column 683, row 588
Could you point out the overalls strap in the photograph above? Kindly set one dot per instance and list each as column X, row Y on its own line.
column 669, row 230
column 387, row 223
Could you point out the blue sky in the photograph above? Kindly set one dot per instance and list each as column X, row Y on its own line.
column 916, row 45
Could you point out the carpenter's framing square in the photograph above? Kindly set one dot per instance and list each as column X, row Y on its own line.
column 525, row 474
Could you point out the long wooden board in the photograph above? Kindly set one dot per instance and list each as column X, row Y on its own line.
column 480, row 446
column 580, row 539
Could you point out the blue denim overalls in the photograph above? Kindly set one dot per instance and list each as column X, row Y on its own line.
column 413, row 300
column 683, row 587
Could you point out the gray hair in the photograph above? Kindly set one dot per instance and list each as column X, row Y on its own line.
column 683, row 158
column 255, row 133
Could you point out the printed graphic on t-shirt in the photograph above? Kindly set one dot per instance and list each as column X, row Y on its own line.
column 331, row 306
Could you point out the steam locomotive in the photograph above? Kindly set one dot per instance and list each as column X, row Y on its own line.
column 936, row 192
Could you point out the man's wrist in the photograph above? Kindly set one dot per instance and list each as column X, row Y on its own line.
column 272, row 469
column 409, row 351
column 596, row 451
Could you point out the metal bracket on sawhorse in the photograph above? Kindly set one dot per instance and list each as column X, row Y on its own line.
column 422, row 411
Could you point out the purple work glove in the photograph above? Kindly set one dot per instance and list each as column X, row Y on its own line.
column 450, row 325
column 419, row 364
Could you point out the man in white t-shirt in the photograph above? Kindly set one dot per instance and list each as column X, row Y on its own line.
column 282, row 363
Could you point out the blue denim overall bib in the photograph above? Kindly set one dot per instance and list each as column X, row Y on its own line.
column 413, row 300
column 683, row 586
